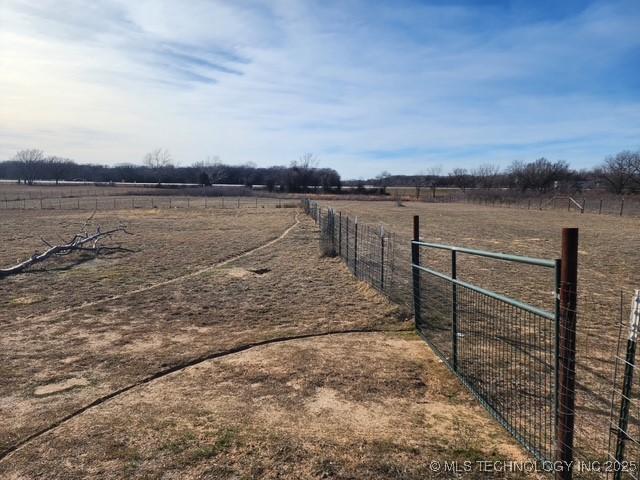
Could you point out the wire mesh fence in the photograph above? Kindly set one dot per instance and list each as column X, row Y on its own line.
column 502, row 349
column 553, row 375
column 376, row 256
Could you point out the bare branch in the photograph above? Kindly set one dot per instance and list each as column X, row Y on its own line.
column 79, row 242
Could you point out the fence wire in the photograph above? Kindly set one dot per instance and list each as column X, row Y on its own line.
column 376, row 256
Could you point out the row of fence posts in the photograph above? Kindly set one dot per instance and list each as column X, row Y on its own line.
column 96, row 204
column 329, row 223
column 570, row 203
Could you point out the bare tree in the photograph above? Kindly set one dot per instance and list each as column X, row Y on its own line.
column 58, row 167
column 213, row 167
column 158, row 160
column 541, row 175
column 301, row 173
column 622, row 171
column 383, row 181
column 486, row 175
column 30, row 161
column 461, row 178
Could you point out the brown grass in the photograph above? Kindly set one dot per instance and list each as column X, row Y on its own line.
column 374, row 405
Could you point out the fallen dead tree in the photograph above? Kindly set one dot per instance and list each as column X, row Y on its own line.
column 81, row 242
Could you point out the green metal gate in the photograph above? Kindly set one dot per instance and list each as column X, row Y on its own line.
column 503, row 349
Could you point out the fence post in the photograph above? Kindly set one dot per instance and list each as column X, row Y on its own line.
column 584, row 203
column 415, row 260
column 621, row 206
column 600, row 210
column 340, row 234
column 346, row 232
column 629, row 367
column 355, row 248
column 454, row 312
column 381, row 258
column 566, row 361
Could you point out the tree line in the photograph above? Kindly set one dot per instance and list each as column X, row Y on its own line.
column 302, row 175
column 618, row 174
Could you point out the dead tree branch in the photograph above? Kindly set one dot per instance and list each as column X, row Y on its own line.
column 81, row 242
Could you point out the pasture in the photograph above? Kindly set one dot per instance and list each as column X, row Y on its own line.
column 222, row 346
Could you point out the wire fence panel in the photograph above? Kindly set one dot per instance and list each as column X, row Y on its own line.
column 503, row 353
column 373, row 255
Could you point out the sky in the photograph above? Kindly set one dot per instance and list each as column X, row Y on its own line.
column 402, row 86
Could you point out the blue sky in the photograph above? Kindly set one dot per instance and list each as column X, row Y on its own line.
column 366, row 86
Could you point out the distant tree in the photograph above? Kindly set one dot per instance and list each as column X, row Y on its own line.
column 621, row 172
column 486, row 175
column 30, row 163
column 301, row 173
column 59, row 168
column 158, row 160
column 541, row 175
column 204, row 180
column 383, row 181
column 460, row 178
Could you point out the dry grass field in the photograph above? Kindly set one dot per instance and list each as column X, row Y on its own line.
column 224, row 346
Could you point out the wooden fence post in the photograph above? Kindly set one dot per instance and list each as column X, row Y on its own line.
column 621, row 206
column 600, row 210
column 566, row 351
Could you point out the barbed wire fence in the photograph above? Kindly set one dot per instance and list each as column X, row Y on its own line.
column 558, row 389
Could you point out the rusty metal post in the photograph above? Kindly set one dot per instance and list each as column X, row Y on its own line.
column 415, row 260
column 566, row 361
